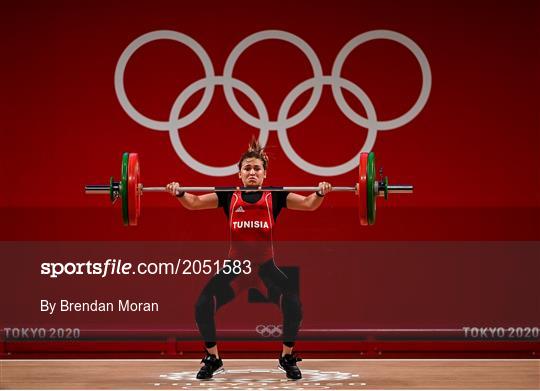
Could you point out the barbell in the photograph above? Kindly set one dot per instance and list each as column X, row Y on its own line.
column 130, row 189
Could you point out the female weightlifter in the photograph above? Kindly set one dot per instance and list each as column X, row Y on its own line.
column 251, row 218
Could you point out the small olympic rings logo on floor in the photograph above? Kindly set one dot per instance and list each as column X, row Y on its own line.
column 269, row 330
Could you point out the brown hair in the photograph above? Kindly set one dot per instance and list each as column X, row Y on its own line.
column 254, row 151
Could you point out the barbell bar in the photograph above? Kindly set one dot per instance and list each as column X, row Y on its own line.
column 129, row 189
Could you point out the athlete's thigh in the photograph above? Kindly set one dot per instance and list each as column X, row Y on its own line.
column 275, row 280
column 219, row 286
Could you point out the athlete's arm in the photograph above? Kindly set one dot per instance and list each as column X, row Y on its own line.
column 192, row 201
column 311, row 202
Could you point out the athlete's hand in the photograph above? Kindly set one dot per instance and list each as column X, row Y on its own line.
column 172, row 188
column 325, row 187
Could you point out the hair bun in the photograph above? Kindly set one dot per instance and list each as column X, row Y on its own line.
column 254, row 145
column 254, row 150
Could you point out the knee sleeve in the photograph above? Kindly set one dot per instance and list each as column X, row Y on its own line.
column 204, row 308
column 292, row 316
column 204, row 316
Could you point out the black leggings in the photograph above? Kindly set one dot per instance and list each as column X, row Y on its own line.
column 279, row 292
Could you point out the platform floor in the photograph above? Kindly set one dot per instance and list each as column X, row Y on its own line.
column 337, row 374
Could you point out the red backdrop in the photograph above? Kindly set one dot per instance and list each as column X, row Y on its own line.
column 472, row 152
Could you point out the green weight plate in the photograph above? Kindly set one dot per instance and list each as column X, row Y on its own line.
column 371, row 196
column 124, row 188
column 385, row 187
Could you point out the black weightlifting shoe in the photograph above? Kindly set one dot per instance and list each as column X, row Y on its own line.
column 212, row 366
column 287, row 364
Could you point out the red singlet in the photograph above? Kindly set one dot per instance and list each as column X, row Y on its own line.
column 251, row 228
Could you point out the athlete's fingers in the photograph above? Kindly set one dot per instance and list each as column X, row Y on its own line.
column 325, row 187
column 329, row 187
column 172, row 188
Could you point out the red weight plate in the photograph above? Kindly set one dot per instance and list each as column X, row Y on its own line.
column 139, row 189
column 134, row 196
column 362, row 188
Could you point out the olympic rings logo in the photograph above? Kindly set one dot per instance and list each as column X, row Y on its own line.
column 263, row 122
column 270, row 330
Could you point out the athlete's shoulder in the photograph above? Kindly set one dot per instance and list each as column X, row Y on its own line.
column 279, row 199
column 224, row 198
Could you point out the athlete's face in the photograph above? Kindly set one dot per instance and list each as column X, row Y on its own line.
column 252, row 172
